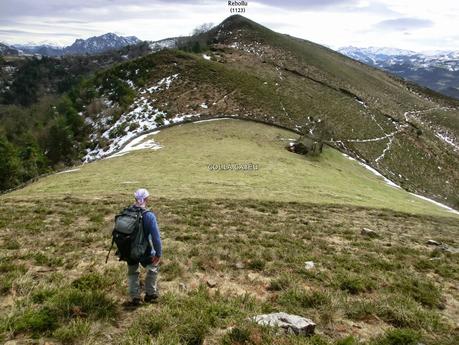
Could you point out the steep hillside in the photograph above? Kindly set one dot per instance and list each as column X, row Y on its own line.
column 250, row 71
column 235, row 245
column 40, row 128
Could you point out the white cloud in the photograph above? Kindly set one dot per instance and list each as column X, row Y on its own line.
column 416, row 25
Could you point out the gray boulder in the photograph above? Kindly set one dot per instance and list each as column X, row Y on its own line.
column 309, row 265
column 443, row 247
column 447, row 249
column 211, row 283
column 290, row 323
column 369, row 232
column 433, row 243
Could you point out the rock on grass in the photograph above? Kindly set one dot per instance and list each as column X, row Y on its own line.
column 290, row 323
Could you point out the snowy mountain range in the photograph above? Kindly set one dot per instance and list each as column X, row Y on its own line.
column 41, row 49
column 163, row 44
column 99, row 44
column 438, row 70
column 7, row 50
column 92, row 45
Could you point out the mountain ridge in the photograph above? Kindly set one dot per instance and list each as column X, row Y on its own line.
column 91, row 45
column 438, row 71
column 8, row 50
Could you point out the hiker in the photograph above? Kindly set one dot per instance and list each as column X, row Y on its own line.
column 152, row 256
column 138, row 240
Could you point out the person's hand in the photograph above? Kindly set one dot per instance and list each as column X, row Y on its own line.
column 155, row 260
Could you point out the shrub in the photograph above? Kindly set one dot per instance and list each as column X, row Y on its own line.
column 403, row 312
column 36, row 321
column 256, row 264
column 90, row 281
column 171, row 271
column 355, row 284
column 12, row 244
column 281, row 283
column 42, row 295
column 192, row 332
column 360, row 310
column 304, row 299
column 77, row 329
column 347, row 341
column 399, row 337
column 47, row 260
column 72, row 302
column 420, row 289
column 237, row 336
column 9, row 272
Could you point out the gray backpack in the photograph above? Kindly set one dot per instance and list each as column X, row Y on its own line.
column 129, row 236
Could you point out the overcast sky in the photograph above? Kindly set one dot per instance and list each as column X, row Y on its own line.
column 409, row 24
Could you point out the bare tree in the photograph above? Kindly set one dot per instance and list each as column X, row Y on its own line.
column 202, row 28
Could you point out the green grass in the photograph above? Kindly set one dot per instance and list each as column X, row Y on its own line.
column 250, row 232
column 319, row 82
column 180, row 170
column 271, row 239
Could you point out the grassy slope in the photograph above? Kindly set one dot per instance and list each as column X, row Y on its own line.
column 383, row 94
column 248, row 232
column 180, row 170
column 241, row 84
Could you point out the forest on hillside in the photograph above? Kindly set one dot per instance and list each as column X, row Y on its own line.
column 41, row 128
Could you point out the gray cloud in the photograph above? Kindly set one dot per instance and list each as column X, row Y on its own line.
column 305, row 4
column 84, row 11
column 62, row 21
column 60, row 7
column 25, row 32
column 371, row 7
column 64, row 7
column 402, row 24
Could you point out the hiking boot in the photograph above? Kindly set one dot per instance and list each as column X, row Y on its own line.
column 135, row 302
column 151, row 298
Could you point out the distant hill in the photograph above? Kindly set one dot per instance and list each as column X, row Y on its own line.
column 92, row 45
column 98, row 44
column 41, row 49
column 7, row 50
column 164, row 43
column 438, row 71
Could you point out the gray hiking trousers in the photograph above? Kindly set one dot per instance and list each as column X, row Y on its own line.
column 150, row 280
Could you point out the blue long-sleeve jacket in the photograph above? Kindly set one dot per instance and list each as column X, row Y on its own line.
column 151, row 227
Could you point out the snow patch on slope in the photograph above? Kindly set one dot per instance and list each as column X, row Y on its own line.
column 393, row 184
column 447, row 139
column 138, row 144
column 68, row 171
column 436, row 203
column 142, row 116
column 374, row 171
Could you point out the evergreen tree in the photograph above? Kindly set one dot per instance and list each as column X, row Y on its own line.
column 60, row 142
column 33, row 160
column 9, row 165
